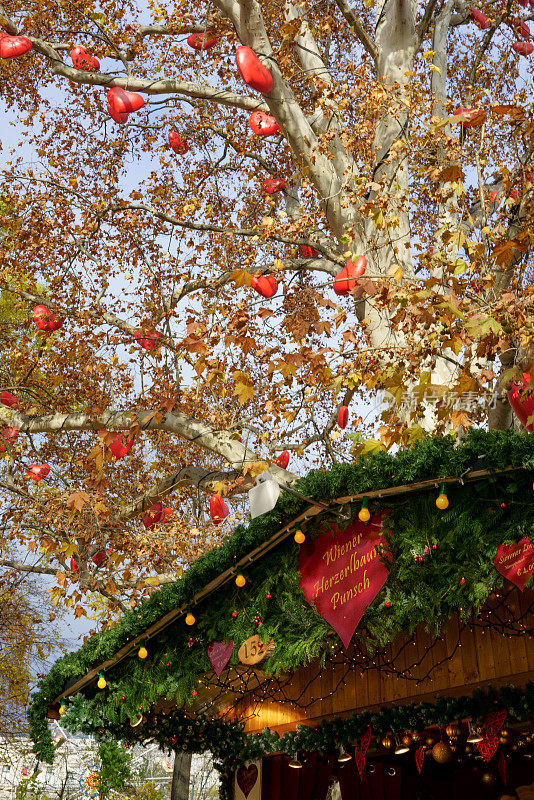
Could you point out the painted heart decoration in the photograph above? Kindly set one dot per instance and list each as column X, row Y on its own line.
column 147, row 340
column 522, row 408
column 8, row 399
column 123, row 102
column 345, row 281
column 263, row 124
column 523, row 48
column 343, row 416
column 266, row 285
column 14, row 46
column 254, row 73
column 219, row 655
column 218, row 509
column 488, row 747
column 201, row 41
column 37, row 472
column 120, row 118
column 474, row 116
column 273, row 185
column 520, row 27
column 118, row 449
column 83, row 60
column 360, row 763
column 516, row 561
column 479, row 19
column 307, row 252
column 419, row 758
column 283, row 459
column 178, row 144
column 246, row 778
column 46, row 320
column 494, row 721
column 153, row 516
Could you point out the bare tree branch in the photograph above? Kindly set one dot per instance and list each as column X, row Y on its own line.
column 357, row 26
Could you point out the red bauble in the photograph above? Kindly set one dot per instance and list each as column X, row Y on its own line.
column 343, row 416
column 201, row 41
column 147, row 340
column 120, row 118
column 273, row 185
column 283, row 459
column 523, row 48
column 479, row 19
column 307, row 252
column 8, row 399
column 123, row 102
column 118, row 449
column 266, row 285
column 523, row 409
column 218, row 509
column 263, row 124
column 153, row 516
column 234, row 614
column 475, row 116
column 253, row 72
column 83, row 60
column 14, row 46
column 178, row 144
column 194, row 692
column 37, row 472
column 46, row 320
column 387, row 604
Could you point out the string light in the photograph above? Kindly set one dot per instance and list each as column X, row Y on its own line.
column 364, row 515
column 442, row 501
column 101, row 683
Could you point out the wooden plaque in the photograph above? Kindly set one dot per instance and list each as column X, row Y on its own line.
column 252, row 651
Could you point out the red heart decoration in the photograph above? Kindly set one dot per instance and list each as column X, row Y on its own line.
column 147, row 340
column 307, row 252
column 218, row 509
column 178, row 144
column 342, row 573
column 167, row 512
column 488, row 747
column 345, row 281
column 246, row 778
column 153, row 516
column 516, row 561
column 520, row 27
column 83, row 60
column 343, row 416
column 266, row 285
column 219, row 655
column 120, row 118
column 101, row 556
column 123, row 102
column 475, row 116
column 494, row 721
column 479, row 19
column 273, row 185
column 365, row 741
column 263, row 124
column 254, row 73
column 118, row 449
column 8, row 399
column 283, row 459
column 523, row 48
column 14, row 46
column 360, row 763
column 201, row 41
column 419, row 758
column 37, row 471
column 46, row 320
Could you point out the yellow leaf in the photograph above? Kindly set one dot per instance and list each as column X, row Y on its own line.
column 154, row 581
column 244, row 387
column 241, row 277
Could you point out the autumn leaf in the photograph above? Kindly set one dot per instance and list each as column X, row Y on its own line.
column 244, row 387
column 77, row 500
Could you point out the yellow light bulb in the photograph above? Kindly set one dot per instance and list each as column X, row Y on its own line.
column 102, row 683
column 190, row 620
column 62, row 709
column 442, row 502
column 364, row 515
column 299, row 537
column 240, row 581
column 143, row 652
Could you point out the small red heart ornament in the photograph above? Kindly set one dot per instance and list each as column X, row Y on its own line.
column 263, row 124
column 218, row 509
column 343, row 416
column 273, row 185
column 516, row 561
column 101, row 556
column 254, row 73
column 479, row 19
column 178, row 144
column 283, row 459
column 153, row 516
column 523, row 409
column 46, row 320
column 219, row 655
column 73, row 565
column 120, row 118
column 8, row 399
column 118, row 449
column 475, row 116
column 523, row 48
column 14, row 46
column 123, row 102
column 307, row 252
column 520, row 27
column 246, row 778
column 83, row 60
column 345, row 281
column 488, row 747
column 266, row 285
column 201, row 41
column 147, row 340
column 37, row 471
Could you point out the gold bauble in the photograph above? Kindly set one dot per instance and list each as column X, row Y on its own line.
column 452, row 730
column 364, row 515
column 442, row 753
column 429, row 741
column 387, row 742
column 407, row 740
column 504, row 738
column 488, row 778
column 442, row 502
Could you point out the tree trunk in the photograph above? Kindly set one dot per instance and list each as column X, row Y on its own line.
column 180, row 776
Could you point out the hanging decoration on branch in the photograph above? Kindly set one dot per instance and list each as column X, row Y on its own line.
column 37, row 472
column 8, row 399
column 123, row 102
column 118, row 448
column 523, row 48
column 346, row 280
column 479, row 19
column 473, row 117
column 283, row 459
column 263, row 124
column 305, row 251
column 520, row 27
column 83, row 60
column 157, row 514
column 202, row 41
column 14, row 46
column 46, row 320
column 178, row 143
column 343, row 416
column 522, row 404
column 218, row 509
column 147, row 340
column 266, row 285
column 515, row 562
column 219, row 654
column 273, row 185
column 254, row 73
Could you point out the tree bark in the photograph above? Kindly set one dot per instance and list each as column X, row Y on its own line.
column 180, row 776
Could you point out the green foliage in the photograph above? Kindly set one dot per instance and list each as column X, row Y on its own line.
column 115, row 767
column 467, row 536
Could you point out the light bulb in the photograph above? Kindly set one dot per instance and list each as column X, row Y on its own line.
column 142, row 652
column 299, row 537
column 190, row 620
column 240, row 580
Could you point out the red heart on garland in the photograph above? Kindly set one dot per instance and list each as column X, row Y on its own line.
column 488, row 747
column 494, row 721
column 153, row 516
column 201, row 41
column 147, row 340
column 254, row 73
column 246, row 778
column 120, row 118
column 523, row 48
column 118, row 449
column 263, row 124
column 479, row 19
column 283, row 459
column 307, row 252
column 266, row 285
column 360, row 763
column 178, row 144
column 123, row 102
column 37, row 471
column 343, row 416
column 522, row 408
column 14, row 46
column 346, row 279
column 365, row 741
column 273, row 185
column 219, row 655
column 516, row 561
column 420, row 758
column 218, row 509
column 8, row 399
column 83, row 60
column 46, row 320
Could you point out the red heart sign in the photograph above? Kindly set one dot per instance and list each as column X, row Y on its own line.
column 147, row 340
column 178, row 144
column 37, row 471
column 123, row 102
column 219, row 655
column 523, row 409
column 516, row 561
column 488, row 747
column 201, row 41
column 120, row 118
column 83, row 60
column 523, row 48
column 273, row 185
column 218, row 509
column 341, row 573
column 153, row 516
column 8, row 399
column 9, row 434
column 266, row 285
column 14, row 46
column 283, row 459
column 246, row 778
column 262, row 124
column 118, row 449
column 253, row 72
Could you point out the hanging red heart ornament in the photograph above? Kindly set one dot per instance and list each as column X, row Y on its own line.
column 365, row 741
column 346, row 280
column 167, row 513
column 263, row 124
column 153, row 516
column 488, row 747
column 218, row 509
column 8, row 399
column 83, row 60
column 123, row 102
column 307, row 252
column 118, row 449
column 37, row 472
column 479, row 19
column 219, row 655
column 523, row 48
column 246, row 778
column 147, row 340
column 343, row 416
column 522, row 404
column 494, row 721
column 178, row 144
column 14, row 46
column 201, row 41
column 120, row 118
column 266, row 285
column 101, row 556
column 46, row 320
column 283, row 459
column 516, row 561
column 273, row 185
column 360, row 763
column 254, row 73
column 520, row 27
column 420, row 758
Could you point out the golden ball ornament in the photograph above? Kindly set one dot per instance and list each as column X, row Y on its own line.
column 142, row 652
column 488, row 778
column 299, row 537
column 364, row 515
column 240, row 581
column 190, row 620
column 504, row 738
column 387, row 742
column 407, row 740
column 452, row 730
column 442, row 753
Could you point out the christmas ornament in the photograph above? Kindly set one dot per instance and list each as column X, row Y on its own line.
column 268, row 596
column 452, row 730
column 346, row 279
column 142, row 652
column 178, row 144
column 479, row 19
column 462, row 581
column 307, row 252
column 118, row 449
column 101, row 683
column 202, row 41
column 343, row 416
column 442, row 753
column 263, row 124
column 8, row 399
column 240, row 581
column 120, row 118
column 62, row 709
column 218, row 509
column 523, row 409
column 83, row 60
column 494, row 721
column 190, row 620
column 406, row 740
column 37, row 472
column 273, row 185
column 523, row 48
column 516, row 561
column 254, row 73
column 520, row 27
column 387, row 742
column 266, row 285
column 147, row 340
column 219, row 654
column 253, row 651
column 247, row 778
column 101, row 556
column 153, row 516
column 442, row 501
column 474, row 116
column 364, row 515
column 14, row 46
column 283, row 459
column 123, row 102
column 419, row 758
column 194, row 693
column 46, row 320
column 387, row 603
column 234, row 614
column 299, row 537
column 488, row 747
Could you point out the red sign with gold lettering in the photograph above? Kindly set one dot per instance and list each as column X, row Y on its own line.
column 342, row 573
column 516, row 561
